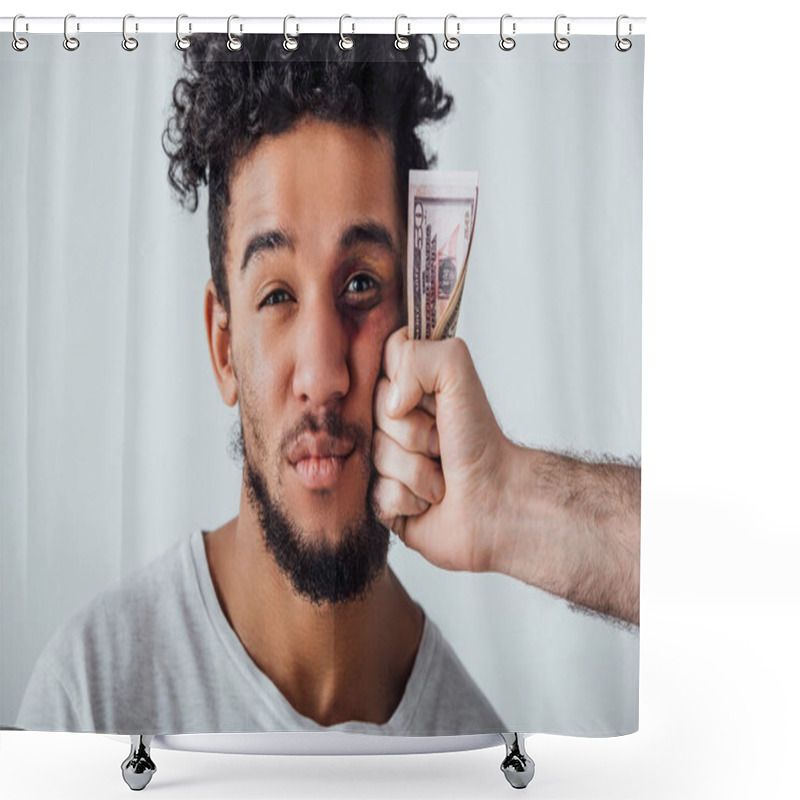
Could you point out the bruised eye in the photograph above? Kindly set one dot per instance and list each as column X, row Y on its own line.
column 361, row 283
column 362, row 287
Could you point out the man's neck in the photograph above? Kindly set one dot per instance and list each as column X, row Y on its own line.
column 334, row 663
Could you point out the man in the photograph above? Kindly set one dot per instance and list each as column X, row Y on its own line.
column 288, row 616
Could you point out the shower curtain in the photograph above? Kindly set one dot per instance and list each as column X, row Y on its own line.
column 213, row 258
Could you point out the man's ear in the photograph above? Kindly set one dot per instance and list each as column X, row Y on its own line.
column 219, row 345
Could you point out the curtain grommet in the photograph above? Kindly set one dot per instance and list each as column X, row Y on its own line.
column 451, row 42
column 289, row 42
column 345, row 42
column 70, row 43
column 233, row 44
column 181, row 42
column 128, row 42
column 561, row 43
column 623, row 45
column 400, row 42
column 507, row 42
column 18, row 43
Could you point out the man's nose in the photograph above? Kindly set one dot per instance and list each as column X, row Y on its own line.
column 321, row 374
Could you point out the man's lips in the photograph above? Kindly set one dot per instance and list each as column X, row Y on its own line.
column 317, row 447
column 320, row 473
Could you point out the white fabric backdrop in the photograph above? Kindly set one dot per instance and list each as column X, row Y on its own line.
column 114, row 439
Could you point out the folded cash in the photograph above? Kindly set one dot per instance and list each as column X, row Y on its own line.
column 441, row 221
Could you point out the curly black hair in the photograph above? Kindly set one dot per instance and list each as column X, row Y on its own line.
column 226, row 101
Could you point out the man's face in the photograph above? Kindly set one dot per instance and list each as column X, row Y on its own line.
column 314, row 249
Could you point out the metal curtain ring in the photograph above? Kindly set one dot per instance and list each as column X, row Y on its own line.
column 400, row 42
column 18, row 43
column 561, row 43
column 507, row 42
column 289, row 42
column 181, row 42
column 623, row 45
column 451, row 42
column 128, row 42
column 70, row 42
column 345, row 42
column 234, row 44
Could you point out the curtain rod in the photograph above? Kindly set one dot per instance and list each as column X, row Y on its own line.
column 297, row 25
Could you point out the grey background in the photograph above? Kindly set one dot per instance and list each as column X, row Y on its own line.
column 114, row 437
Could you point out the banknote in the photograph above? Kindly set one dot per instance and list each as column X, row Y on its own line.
column 441, row 221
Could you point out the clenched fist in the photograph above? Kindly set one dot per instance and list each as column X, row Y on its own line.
column 439, row 451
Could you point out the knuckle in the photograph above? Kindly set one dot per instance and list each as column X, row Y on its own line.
column 396, row 496
column 378, row 445
column 420, row 438
column 398, row 341
column 379, row 492
column 404, row 433
column 389, row 349
column 381, row 391
column 377, row 496
column 381, row 504
column 383, row 496
column 420, row 473
column 459, row 348
column 396, row 337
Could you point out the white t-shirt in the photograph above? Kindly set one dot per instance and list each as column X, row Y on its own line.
column 157, row 655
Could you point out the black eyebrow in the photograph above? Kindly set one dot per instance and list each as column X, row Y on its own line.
column 360, row 233
column 271, row 240
column 367, row 233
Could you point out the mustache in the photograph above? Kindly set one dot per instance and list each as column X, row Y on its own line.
column 330, row 423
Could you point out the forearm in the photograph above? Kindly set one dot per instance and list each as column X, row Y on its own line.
column 571, row 528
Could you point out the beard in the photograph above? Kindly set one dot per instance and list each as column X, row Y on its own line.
column 320, row 571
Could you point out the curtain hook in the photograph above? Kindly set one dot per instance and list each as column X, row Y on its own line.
column 18, row 43
column 70, row 42
column 623, row 45
column 561, row 43
column 128, row 42
column 234, row 44
column 289, row 42
column 345, row 42
column 451, row 42
column 400, row 42
column 507, row 42
column 181, row 42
